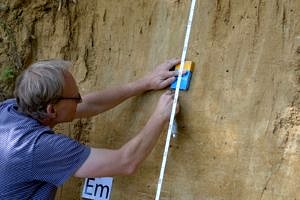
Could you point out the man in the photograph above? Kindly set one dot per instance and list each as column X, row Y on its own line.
column 34, row 160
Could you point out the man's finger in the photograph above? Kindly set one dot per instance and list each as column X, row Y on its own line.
column 168, row 82
column 168, row 92
column 177, row 72
column 169, row 74
column 170, row 63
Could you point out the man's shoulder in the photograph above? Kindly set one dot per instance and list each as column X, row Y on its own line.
column 18, row 126
column 8, row 106
column 8, row 102
column 10, row 116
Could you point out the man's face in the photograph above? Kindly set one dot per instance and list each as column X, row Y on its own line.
column 67, row 104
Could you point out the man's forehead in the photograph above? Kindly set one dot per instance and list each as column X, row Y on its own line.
column 70, row 83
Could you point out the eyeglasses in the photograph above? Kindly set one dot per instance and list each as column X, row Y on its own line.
column 77, row 99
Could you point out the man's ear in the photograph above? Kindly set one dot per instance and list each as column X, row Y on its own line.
column 51, row 111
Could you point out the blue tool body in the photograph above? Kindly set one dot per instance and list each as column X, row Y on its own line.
column 185, row 81
column 185, row 78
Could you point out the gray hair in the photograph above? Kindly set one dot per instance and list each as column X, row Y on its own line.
column 39, row 85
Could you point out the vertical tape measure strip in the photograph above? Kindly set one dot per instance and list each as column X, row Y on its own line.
column 185, row 47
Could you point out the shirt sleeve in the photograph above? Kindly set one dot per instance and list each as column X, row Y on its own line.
column 57, row 157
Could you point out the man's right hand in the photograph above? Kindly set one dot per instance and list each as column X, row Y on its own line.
column 161, row 76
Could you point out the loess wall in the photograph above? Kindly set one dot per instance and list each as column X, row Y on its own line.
column 239, row 126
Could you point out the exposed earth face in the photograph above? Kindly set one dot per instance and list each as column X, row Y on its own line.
column 239, row 134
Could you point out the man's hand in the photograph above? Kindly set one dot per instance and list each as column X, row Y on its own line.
column 162, row 77
column 164, row 106
column 126, row 160
column 100, row 101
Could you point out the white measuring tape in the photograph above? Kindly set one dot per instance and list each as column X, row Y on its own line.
column 185, row 47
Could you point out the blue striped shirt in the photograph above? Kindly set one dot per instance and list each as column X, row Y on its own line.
column 34, row 160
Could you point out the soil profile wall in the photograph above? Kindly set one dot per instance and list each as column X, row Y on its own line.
column 239, row 135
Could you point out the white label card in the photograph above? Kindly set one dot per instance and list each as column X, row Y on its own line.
column 97, row 188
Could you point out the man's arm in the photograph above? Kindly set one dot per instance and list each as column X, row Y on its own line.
column 97, row 102
column 125, row 161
